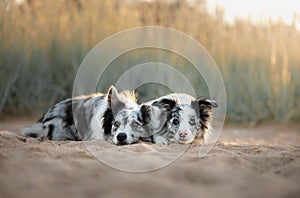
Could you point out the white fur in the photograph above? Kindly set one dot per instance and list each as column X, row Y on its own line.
column 185, row 132
column 82, row 117
column 187, row 114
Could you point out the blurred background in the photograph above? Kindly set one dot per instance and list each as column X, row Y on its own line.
column 255, row 45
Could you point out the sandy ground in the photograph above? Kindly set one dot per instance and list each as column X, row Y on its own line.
column 263, row 161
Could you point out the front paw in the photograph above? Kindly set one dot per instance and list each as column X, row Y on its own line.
column 160, row 140
column 197, row 141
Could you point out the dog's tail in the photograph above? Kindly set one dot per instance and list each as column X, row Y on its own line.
column 35, row 130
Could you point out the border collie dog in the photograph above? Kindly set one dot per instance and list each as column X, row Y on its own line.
column 186, row 120
column 113, row 117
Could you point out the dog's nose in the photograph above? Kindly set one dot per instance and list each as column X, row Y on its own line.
column 121, row 137
column 183, row 133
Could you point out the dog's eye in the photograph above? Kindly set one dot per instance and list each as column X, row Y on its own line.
column 117, row 124
column 192, row 122
column 175, row 121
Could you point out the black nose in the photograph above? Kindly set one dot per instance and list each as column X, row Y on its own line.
column 121, row 137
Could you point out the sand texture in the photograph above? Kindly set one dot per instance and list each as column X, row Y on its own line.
column 263, row 161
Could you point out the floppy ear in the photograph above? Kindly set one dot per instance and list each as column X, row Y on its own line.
column 114, row 103
column 146, row 114
column 205, row 108
column 165, row 103
column 207, row 103
column 157, row 110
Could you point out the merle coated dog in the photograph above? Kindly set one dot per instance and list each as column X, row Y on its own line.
column 114, row 117
column 181, row 117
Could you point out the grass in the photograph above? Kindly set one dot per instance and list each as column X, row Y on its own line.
column 42, row 44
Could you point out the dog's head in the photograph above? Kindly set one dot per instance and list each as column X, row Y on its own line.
column 187, row 120
column 127, row 127
column 123, row 121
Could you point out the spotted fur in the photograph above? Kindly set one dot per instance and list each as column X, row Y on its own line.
column 157, row 113
column 128, row 127
column 190, row 118
column 192, row 121
column 88, row 117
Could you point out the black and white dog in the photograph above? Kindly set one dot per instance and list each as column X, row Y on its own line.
column 187, row 118
column 113, row 117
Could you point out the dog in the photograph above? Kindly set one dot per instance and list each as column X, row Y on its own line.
column 187, row 120
column 114, row 117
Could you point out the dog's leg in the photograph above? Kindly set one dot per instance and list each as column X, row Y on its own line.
column 160, row 140
column 198, row 141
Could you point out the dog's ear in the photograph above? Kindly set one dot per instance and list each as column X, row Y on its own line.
column 207, row 103
column 114, row 103
column 157, row 110
column 146, row 114
column 165, row 103
column 204, row 107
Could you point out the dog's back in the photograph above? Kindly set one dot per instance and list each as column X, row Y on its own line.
column 58, row 123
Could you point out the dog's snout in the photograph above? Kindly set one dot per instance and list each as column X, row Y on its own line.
column 121, row 137
column 183, row 134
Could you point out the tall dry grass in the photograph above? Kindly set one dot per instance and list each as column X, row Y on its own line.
column 42, row 43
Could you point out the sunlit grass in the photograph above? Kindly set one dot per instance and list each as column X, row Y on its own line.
column 43, row 43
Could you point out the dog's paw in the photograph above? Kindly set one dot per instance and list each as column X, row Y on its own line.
column 160, row 140
column 198, row 141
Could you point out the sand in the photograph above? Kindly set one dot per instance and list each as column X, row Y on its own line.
column 262, row 161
